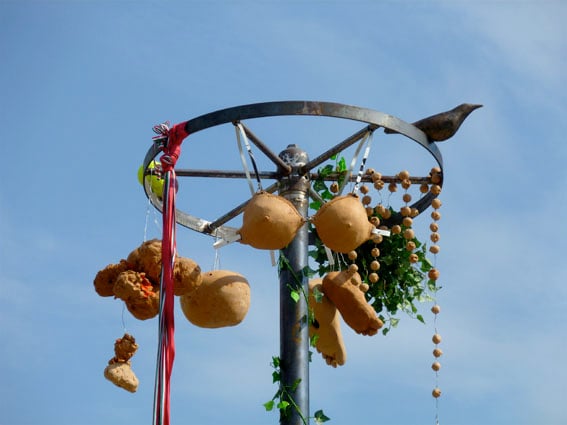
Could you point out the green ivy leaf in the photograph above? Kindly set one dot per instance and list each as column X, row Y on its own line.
column 283, row 405
column 320, row 417
column 318, row 295
column 276, row 376
column 294, row 295
column 269, row 405
column 313, row 340
column 315, row 205
column 319, row 186
column 275, row 361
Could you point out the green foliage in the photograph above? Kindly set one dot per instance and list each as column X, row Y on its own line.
column 401, row 285
column 283, row 398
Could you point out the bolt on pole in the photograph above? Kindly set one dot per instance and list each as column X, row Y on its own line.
column 294, row 316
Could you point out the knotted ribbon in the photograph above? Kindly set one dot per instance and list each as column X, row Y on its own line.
column 169, row 139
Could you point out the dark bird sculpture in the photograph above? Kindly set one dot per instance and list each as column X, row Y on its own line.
column 443, row 126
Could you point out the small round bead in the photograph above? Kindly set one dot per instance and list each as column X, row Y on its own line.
column 433, row 274
column 434, row 249
column 436, row 203
column 377, row 239
column 409, row 234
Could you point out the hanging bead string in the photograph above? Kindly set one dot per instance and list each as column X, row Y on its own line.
column 434, row 274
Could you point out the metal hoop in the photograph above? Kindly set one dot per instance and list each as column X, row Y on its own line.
column 374, row 119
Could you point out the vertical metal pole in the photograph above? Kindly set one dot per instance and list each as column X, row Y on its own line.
column 294, row 324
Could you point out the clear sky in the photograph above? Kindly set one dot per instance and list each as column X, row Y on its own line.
column 83, row 82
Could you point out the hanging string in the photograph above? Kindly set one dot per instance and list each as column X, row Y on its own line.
column 346, row 179
column 216, row 262
column 123, row 320
column 363, row 162
column 170, row 141
column 241, row 136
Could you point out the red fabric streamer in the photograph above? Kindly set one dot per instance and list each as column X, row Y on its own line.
column 172, row 149
column 166, row 349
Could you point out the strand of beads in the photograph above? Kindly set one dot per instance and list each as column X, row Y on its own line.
column 434, row 275
column 407, row 215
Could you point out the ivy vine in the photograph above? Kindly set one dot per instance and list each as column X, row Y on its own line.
column 402, row 283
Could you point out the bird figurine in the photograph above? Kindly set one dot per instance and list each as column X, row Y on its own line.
column 442, row 126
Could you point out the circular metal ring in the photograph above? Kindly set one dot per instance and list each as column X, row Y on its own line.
column 373, row 118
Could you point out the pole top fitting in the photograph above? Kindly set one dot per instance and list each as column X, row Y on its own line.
column 294, row 156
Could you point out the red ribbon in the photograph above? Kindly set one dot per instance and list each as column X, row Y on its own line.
column 172, row 149
column 166, row 349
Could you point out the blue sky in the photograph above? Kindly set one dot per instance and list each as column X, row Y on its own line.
column 82, row 83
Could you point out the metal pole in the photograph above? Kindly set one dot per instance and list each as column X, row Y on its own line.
column 294, row 322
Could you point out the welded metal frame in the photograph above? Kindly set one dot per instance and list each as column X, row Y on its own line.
column 292, row 177
column 373, row 119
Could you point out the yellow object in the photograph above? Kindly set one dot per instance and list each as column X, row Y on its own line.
column 154, row 181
